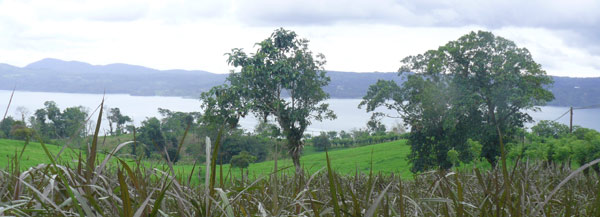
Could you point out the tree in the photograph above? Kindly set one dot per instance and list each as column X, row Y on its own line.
column 551, row 129
column 284, row 79
column 267, row 129
column 321, row 142
column 114, row 116
column 6, row 126
column 242, row 161
column 54, row 115
column 73, row 119
column 376, row 127
column 23, row 112
column 21, row 131
column 151, row 136
column 39, row 123
column 478, row 86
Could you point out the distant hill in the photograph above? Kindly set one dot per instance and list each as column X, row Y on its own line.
column 53, row 75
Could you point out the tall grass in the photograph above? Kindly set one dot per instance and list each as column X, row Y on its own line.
column 96, row 188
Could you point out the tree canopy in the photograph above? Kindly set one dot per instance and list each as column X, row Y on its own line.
column 478, row 86
column 283, row 79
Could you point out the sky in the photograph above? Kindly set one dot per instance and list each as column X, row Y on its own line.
column 358, row 36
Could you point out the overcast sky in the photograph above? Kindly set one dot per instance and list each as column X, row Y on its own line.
column 358, row 36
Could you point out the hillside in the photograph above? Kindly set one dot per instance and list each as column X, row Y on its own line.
column 53, row 75
column 34, row 153
column 387, row 158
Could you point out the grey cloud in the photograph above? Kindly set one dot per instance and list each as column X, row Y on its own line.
column 537, row 13
column 579, row 18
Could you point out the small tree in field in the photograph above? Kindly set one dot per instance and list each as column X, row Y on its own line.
column 242, row 161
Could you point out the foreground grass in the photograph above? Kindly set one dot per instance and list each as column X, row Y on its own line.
column 120, row 190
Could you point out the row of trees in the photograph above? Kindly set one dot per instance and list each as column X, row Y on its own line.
column 52, row 123
column 354, row 138
column 552, row 142
column 47, row 123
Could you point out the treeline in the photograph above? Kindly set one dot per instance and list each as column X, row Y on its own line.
column 354, row 138
column 47, row 123
column 553, row 143
column 158, row 137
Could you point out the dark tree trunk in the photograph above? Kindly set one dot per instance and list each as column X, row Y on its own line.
column 295, row 154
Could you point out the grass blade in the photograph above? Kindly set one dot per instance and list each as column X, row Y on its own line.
column 332, row 187
column 373, row 208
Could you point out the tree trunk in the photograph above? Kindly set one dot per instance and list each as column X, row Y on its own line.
column 295, row 154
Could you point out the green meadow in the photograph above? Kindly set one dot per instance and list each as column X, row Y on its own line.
column 389, row 157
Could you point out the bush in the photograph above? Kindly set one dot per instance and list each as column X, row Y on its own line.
column 242, row 160
column 321, row 142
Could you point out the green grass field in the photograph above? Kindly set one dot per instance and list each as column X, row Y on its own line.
column 34, row 153
column 387, row 158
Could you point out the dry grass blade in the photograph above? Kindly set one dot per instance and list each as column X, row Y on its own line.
column 564, row 181
column 140, row 210
column 371, row 211
column 101, row 167
column 9, row 102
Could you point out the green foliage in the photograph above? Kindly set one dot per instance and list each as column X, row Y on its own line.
column 475, row 87
column 284, row 79
column 237, row 142
column 114, row 116
column 151, row 136
column 474, row 148
column 267, row 129
column 52, row 123
column 6, row 126
column 552, row 129
column 224, row 105
column 20, row 131
column 452, row 156
column 242, row 160
column 376, row 127
column 321, row 142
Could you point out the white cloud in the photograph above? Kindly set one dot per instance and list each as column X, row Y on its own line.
column 354, row 35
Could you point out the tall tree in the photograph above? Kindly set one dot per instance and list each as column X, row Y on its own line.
column 487, row 84
column 115, row 116
column 284, row 79
column 73, row 119
column 151, row 136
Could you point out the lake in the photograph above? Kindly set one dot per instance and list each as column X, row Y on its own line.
column 140, row 107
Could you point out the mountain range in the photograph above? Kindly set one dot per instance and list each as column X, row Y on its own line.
column 53, row 75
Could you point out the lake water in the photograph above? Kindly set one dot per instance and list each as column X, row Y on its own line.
column 140, row 107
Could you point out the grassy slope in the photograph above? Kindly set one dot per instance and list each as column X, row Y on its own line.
column 387, row 158
column 34, row 153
